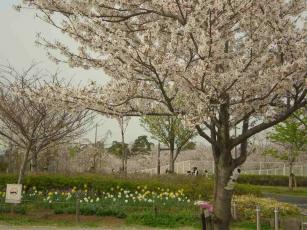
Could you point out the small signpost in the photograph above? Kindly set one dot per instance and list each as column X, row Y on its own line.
column 13, row 193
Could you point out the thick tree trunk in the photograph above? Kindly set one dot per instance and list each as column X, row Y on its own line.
column 222, row 197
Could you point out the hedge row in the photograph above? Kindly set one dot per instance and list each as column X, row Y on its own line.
column 271, row 180
column 194, row 187
column 105, row 182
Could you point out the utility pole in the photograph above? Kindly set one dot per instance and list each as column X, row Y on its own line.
column 236, row 153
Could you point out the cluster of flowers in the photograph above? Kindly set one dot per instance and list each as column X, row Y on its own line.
column 119, row 194
column 204, row 205
column 246, row 206
column 115, row 194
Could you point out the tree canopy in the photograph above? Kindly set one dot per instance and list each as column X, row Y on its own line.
column 166, row 129
column 141, row 145
column 291, row 136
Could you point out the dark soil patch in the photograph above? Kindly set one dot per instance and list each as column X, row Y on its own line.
column 48, row 218
column 108, row 221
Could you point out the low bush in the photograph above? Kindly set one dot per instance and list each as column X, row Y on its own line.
column 271, row 180
column 164, row 220
column 194, row 187
column 111, row 212
column 19, row 209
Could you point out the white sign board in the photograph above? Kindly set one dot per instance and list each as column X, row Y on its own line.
column 13, row 193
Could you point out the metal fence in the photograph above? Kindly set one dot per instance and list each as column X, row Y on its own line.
column 259, row 168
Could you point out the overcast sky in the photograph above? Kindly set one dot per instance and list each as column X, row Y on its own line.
column 17, row 37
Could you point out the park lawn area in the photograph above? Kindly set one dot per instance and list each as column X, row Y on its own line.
column 299, row 191
column 64, row 221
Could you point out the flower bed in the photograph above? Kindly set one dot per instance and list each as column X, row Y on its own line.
column 246, row 206
column 161, row 207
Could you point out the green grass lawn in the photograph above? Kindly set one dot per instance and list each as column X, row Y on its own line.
column 300, row 191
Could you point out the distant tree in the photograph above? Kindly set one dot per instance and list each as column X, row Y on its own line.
column 141, row 145
column 170, row 131
column 123, row 124
column 116, row 149
column 290, row 138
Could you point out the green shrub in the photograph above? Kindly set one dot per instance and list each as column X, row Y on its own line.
column 88, row 209
column 111, row 212
column 59, row 211
column 243, row 189
column 164, row 220
column 70, row 210
column 4, row 209
column 194, row 187
column 19, row 209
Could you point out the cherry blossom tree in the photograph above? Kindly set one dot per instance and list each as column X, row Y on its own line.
column 217, row 63
column 34, row 126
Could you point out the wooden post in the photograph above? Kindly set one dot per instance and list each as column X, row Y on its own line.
column 284, row 170
column 77, row 207
column 203, row 221
column 158, row 160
